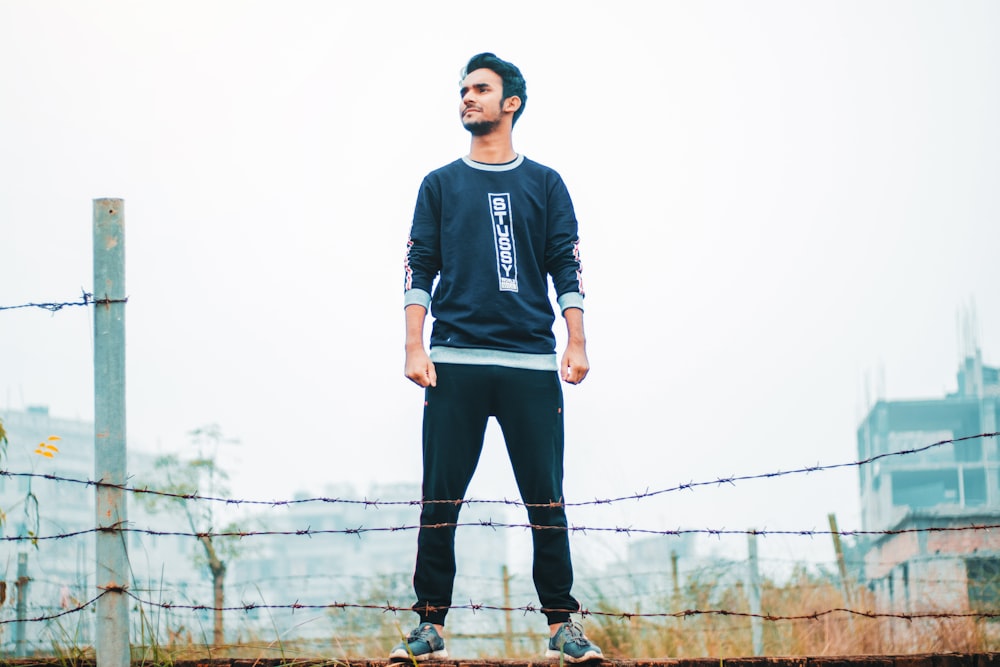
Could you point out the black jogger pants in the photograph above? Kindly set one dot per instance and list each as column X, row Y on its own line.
column 528, row 407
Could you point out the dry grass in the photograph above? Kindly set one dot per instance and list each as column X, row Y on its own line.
column 820, row 632
column 711, row 621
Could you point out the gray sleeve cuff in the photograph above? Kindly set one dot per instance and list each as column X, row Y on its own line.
column 416, row 297
column 570, row 300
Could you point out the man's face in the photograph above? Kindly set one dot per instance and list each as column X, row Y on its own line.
column 481, row 109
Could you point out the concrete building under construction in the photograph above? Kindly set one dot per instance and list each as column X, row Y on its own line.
column 930, row 494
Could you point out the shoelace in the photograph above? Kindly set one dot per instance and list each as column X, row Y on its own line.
column 423, row 632
column 576, row 636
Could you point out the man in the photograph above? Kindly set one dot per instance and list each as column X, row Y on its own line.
column 492, row 228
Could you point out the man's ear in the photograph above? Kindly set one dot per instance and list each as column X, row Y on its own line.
column 512, row 104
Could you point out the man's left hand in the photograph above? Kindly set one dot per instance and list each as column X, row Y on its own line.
column 574, row 366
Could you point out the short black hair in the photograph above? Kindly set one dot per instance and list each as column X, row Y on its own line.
column 513, row 81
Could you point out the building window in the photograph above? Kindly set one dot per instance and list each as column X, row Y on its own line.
column 974, row 481
column 902, row 441
column 983, row 579
column 925, row 488
column 969, row 451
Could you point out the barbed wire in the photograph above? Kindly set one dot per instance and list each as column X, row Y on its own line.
column 626, row 577
column 247, row 607
column 489, row 523
column 59, row 614
column 86, row 299
column 720, row 481
column 530, row 608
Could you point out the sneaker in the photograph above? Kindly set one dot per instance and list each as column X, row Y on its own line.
column 572, row 645
column 422, row 644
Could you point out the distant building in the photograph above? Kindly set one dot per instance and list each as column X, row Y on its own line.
column 655, row 575
column 60, row 571
column 655, row 566
column 46, row 495
column 340, row 549
column 927, row 560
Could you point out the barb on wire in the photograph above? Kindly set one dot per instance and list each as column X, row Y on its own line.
column 627, row 530
column 731, row 480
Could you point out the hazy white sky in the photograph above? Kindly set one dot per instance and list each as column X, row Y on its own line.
column 776, row 200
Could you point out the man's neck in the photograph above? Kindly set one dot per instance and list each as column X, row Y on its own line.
column 492, row 148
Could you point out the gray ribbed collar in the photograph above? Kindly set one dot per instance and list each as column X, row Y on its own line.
column 483, row 166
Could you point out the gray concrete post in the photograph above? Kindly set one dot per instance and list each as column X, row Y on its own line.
column 20, row 639
column 112, row 641
column 753, row 595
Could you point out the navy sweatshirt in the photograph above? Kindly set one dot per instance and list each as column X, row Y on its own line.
column 492, row 235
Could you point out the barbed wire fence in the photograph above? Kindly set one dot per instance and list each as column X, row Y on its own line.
column 606, row 611
column 715, row 597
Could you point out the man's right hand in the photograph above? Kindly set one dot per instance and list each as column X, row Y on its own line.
column 420, row 368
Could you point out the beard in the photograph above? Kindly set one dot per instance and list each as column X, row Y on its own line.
column 479, row 128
